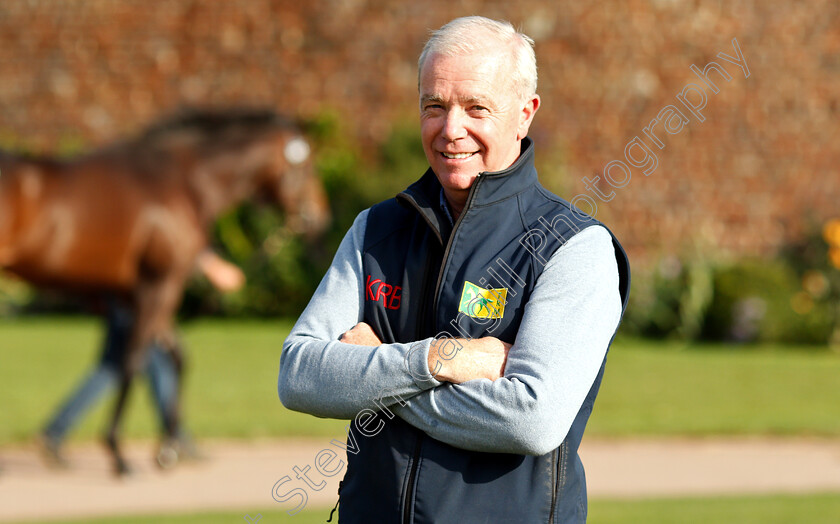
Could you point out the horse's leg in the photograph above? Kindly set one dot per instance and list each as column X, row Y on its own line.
column 128, row 370
column 155, row 305
column 133, row 354
column 172, row 445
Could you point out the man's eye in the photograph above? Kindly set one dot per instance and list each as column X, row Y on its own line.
column 479, row 108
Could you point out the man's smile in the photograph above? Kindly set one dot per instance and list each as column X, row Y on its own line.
column 457, row 156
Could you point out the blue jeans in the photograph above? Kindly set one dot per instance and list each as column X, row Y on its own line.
column 105, row 378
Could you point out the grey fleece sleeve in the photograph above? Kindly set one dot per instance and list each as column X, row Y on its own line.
column 567, row 324
column 327, row 378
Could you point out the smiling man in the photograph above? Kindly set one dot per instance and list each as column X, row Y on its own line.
column 473, row 116
column 464, row 324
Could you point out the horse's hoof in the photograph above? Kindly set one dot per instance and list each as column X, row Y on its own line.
column 122, row 469
column 168, row 455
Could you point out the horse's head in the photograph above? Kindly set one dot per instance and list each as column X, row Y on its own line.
column 289, row 179
column 237, row 154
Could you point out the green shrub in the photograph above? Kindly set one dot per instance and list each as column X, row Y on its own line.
column 670, row 300
column 816, row 261
column 761, row 300
column 14, row 294
column 750, row 300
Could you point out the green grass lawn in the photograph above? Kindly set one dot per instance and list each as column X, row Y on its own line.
column 772, row 509
column 231, row 385
column 654, row 388
column 650, row 388
column 765, row 509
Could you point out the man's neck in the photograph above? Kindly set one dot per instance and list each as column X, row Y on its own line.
column 455, row 202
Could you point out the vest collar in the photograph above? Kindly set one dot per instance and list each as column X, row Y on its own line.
column 488, row 188
column 492, row 187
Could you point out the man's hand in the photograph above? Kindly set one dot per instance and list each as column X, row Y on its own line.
column 224, row 276
column 361, row 335
column 459, row 360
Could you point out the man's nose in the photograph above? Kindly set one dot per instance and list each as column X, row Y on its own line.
column 453, row 125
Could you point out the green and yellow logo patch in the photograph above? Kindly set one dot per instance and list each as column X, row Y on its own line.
column 478, row 302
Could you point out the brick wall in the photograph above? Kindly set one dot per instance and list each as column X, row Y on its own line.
column 745, row 180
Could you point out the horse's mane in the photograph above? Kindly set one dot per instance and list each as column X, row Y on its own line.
column 28, row 157
column 206, row 131
column 213, row 128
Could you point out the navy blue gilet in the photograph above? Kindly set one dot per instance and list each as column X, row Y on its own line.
column 415, row 269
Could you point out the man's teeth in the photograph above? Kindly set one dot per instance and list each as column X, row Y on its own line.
column 457, row 155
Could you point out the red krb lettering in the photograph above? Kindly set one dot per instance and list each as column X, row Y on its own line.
column 396, row 295
column 383, row 294
column 370, row 285
column 376, row 289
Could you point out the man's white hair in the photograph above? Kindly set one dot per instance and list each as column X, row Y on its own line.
column 470, row 33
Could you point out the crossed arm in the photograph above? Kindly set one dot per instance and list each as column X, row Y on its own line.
column 329, row 368
column 477, row 358
column 489, row 397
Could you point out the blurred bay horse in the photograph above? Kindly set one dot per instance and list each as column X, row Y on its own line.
column 130, row 219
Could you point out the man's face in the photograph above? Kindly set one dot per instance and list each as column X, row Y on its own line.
column 471, row 120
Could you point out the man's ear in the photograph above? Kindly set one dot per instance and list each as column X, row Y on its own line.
column 526, row 116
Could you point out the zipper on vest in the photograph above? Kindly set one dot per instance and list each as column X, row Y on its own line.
column 412, row 476
column 408, row 499
column 473, row 191
column 554, row 474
